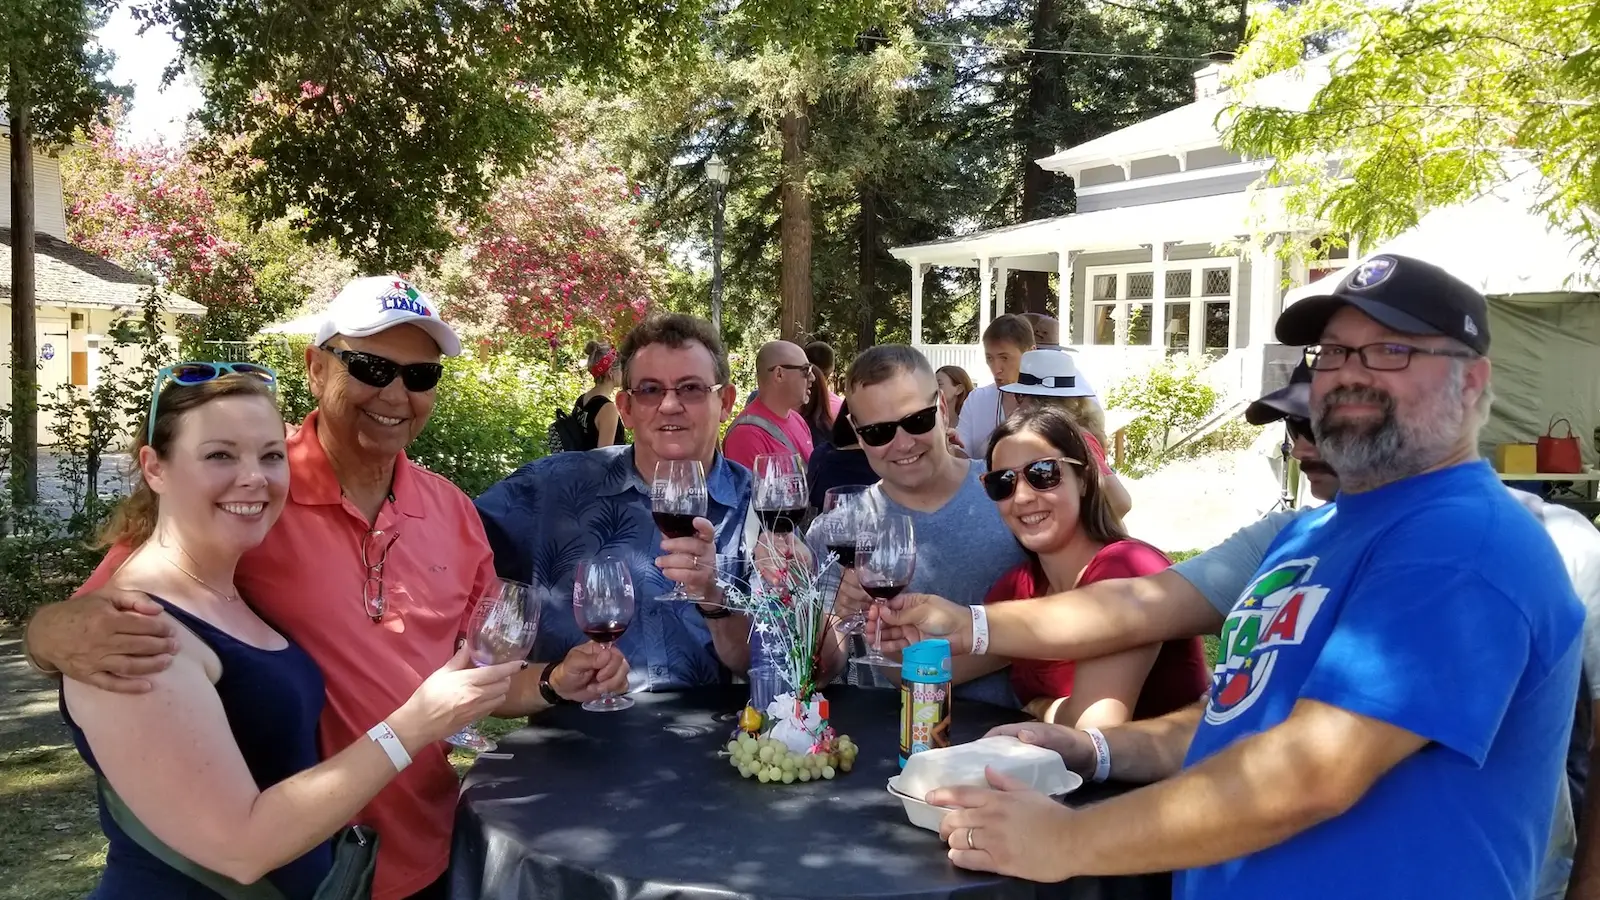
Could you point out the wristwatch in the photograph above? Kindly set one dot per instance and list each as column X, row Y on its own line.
column 547, row 691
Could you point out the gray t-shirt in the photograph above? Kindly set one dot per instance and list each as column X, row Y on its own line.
column 963, row 548
column 1223, row 572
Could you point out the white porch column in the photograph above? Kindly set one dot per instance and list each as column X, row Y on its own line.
column 1266, row 298
column 919, row 274
column 1002, row 275
column 1064, row 312
column 985, row 287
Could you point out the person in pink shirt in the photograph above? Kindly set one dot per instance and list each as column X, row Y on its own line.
column 772, row 423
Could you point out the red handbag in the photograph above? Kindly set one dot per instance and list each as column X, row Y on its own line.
column 1559, row 455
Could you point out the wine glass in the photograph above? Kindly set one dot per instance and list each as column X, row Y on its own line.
column 502, row 628
column 847, row 513
column 886, row 558
column 779, row 493
column 602, row 602
column 677, row 498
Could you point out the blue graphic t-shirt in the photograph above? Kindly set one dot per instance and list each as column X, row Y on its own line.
column 552, row 513
column 1436, row 604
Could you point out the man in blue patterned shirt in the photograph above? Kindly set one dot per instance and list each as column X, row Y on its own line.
column 552, row 513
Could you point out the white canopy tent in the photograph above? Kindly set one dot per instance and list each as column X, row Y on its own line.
column 1544, row 318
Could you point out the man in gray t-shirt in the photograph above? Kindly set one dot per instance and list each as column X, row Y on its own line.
column 963, row 547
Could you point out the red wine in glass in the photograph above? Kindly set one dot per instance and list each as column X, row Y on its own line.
column 883, row 593
column 675, row 525
column 781, row 521
column 605, row 632
column 846, row 554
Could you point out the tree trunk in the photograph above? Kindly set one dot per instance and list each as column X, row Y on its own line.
column 867, row 266
column 1044, row 91
column 24, row 355
column 795, row 226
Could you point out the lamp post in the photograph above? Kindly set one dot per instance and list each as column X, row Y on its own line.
column 717, row 179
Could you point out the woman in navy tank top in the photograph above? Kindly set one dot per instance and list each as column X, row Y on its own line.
column 219, row 759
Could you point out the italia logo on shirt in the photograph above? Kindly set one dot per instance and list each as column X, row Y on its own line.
column 1275, row 612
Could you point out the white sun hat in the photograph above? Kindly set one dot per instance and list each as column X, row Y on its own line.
column 1050, row 373
column 368, row 306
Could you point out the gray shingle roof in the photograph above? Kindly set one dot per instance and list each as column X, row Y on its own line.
column 70, row 276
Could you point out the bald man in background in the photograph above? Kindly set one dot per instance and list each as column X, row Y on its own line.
column 771, row 422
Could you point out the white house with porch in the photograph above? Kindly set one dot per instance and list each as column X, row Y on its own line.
column 1173, row 251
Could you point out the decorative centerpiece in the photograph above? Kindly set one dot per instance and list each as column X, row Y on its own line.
column 784, row 735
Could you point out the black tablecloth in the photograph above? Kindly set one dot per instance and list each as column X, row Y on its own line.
column 637, row 804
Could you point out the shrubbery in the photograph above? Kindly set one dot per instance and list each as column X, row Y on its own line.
column 1175, row 401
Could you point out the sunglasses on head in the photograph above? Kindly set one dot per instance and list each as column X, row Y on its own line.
column 881, row 433
column 377, row 371
column 192, row 373
column 1042, row 475
column 1299, row 428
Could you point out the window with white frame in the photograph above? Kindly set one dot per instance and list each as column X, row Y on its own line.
column 1198, row 306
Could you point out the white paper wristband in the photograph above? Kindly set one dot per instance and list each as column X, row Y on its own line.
column 980, row 630
column 1102, row 754
column 385, row 737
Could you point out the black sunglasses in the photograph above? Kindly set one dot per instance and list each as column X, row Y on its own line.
column 881, row 433
column 377, row 371
column 1299, row 428
column 1042, row 475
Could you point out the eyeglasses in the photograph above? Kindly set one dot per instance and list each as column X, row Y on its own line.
column 1041, row 474
column 1382, row 357
column 881, row 433
column 1299, row 428
column 1050, row 381
column 372, row 590
column 192, row 373
column 691, row 394
column 794, row 368
column 377, row 371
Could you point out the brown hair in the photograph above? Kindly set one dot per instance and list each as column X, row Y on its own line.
column 135, row 518
column 883, row 362
column 961, row 378
column 1010, row 329
column 1055, row 426
column 816, row 411
column 1084, row 412
column 675, row 330
column 594, row 352
column 821, row 355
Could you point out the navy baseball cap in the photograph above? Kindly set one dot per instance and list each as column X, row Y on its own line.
column 1401, row 293
column 1294, row 399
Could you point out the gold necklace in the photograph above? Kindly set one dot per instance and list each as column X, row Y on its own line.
column 226, row 597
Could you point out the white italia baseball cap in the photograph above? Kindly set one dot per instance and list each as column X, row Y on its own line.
column 368, row 306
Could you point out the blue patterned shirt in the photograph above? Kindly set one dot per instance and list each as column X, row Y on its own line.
column 554, row 512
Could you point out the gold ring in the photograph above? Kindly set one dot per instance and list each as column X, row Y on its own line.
column 970, row 845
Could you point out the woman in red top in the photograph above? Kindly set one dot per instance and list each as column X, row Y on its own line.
column 1052, row 497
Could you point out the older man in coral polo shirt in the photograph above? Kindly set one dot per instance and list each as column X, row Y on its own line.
column 373, row 569
column 771, row 422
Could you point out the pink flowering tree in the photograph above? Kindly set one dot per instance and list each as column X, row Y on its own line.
column 153, row 209
column 560, row 254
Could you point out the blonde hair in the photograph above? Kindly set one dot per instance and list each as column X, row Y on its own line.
column 135, row 518
column 1085, row 413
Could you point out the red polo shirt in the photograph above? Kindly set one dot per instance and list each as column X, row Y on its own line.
column 306, row 580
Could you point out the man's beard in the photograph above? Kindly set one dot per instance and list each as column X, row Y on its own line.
column 1367, row 456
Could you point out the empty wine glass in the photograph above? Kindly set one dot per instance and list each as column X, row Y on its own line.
column 677, row 498
column 502, row 628
column 779, row 493
column 886, row 558
column 847, row 513
column 602, row 602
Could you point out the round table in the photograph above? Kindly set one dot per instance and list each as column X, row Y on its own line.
column 637, row 804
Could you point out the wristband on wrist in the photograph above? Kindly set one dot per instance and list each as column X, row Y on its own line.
column 980, row 630
column 1102, row 754
column 385, row 737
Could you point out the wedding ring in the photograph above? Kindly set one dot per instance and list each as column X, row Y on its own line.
column 969, row 840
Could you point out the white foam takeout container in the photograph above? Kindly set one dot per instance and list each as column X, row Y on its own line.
column 964, row 765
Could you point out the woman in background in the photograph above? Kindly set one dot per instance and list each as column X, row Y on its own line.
column 838, row 461
column 1050, row 495
column 602, row 425
column 954, row 386
column 816, row 410
column 1051, row 378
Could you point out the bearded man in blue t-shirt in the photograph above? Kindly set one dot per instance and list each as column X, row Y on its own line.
column 1395, row 688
